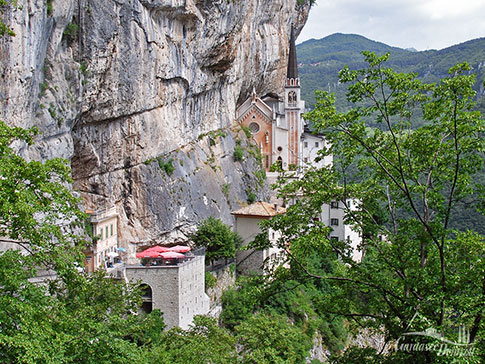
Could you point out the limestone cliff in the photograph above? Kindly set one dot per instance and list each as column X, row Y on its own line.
column 130, row 90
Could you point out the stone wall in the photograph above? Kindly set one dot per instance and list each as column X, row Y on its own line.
column 177, row 290
column 225, row 278
column 114, row 84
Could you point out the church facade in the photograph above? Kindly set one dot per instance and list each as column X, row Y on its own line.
column 277, row 125
column 278, row 128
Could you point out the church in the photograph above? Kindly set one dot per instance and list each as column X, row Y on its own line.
column 277, row 125
column 284, row 137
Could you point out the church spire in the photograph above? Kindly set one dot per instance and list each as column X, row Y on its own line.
column 292, row 65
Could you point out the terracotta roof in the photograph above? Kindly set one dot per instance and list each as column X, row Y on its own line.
column 263, row 209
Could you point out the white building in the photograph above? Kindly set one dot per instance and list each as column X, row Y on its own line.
column 283, row 136
column 247, row 226
column 277, row 126
column 105, row 246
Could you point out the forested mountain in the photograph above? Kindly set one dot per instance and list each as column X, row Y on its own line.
column 321, row 60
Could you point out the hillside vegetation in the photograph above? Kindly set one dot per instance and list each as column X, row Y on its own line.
column 321, row 60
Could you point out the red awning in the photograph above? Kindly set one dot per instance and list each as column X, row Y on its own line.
column 180, row 249
column 158, row 249
column 172, row 255
column 148, row 254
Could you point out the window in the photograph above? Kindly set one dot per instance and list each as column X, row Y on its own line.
column 254, row 127
column 305, row 144
column 101, row 233
column 305, row 160
column 334, row 204
column 334, row 222
column 317, row 144
column 292, row 97
column 106, row 232
column 111, row 228
column 279, row 149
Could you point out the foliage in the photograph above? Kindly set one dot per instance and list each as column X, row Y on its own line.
column 289, row 294
column 260, row 176
column 219, row 240
column 49, row 7
column 246, row 131
column 268, row 339
column 238, row 153
column 71, row 31
column 203, row 343
column 251, row 196
column 225, row 188
column 166, row 166
column 210, row 280
column 4, row 29
column 70, row 316
column 414, row 263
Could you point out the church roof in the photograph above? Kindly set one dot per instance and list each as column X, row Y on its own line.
column 262, row 209
column 292, row 65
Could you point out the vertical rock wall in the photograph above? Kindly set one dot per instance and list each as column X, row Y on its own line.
column 124, row 87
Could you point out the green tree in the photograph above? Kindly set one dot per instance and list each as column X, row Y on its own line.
column 406, row 184
column 204, row 342
column 68, row 316
column 270, row 339
column 218, row 238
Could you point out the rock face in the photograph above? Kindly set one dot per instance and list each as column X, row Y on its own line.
column 127, row 88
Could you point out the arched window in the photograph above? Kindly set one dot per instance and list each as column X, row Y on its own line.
column 292, row 97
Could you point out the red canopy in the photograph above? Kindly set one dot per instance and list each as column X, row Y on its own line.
column 172, row 255
column 158, row 249
column 148, row 254
column 180, row 249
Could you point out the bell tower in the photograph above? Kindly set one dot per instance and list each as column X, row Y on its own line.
column 293, row 105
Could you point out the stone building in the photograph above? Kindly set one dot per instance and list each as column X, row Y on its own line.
column 177, row 290
column 247, row 226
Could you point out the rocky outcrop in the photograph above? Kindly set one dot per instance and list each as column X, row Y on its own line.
column 122, row 87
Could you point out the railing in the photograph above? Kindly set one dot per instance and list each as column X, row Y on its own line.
column 220, row 264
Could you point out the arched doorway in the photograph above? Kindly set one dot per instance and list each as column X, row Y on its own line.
column 280, row 162
column 147, row 297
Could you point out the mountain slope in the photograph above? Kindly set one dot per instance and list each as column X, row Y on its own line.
column 321, row 60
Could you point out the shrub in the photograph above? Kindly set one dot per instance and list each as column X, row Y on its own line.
column 251, row 196
column 246, row 131
column 219, row 240
column 238, row 153
column 166, row 166
column 210, row 280
column 71, row 31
